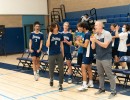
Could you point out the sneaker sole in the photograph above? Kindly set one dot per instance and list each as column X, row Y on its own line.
column 100, row 93
column 82, row 90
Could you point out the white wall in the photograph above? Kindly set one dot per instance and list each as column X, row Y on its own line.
column 23, row 7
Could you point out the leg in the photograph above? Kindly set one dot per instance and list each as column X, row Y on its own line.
column 34, row 63
column 100, row 71
column 51, row 60
column 60, row 66
column 107, row 67
column 90, row 74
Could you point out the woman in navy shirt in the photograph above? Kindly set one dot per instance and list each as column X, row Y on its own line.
column 56, row 53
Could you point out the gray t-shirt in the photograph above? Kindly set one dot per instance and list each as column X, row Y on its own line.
column 104, row 53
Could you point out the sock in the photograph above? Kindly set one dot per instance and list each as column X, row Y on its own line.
column 90, row 81
column 34, row 72
column 84, row 83
column 37, row 71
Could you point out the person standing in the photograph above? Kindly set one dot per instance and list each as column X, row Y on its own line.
column 56, row 53
column 102, row 42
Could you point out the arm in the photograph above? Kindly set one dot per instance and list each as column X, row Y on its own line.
column 103, row 44
column 48, row 40
column 30, row 45
column 41, row 43
column 117, row 33
column 68, row 42
column 62, row 48
column 128, row 44
column 85, row 45
column 93, row 45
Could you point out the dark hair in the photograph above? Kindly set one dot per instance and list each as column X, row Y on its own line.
column 84, row 25
column 114, row 25
column 86, row 14
column 36, row 23
column 53, row 25
column 127, row 27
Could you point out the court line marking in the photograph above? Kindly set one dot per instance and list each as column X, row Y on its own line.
column 4, row 96
column 41, row 94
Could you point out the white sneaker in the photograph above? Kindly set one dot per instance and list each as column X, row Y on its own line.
column 36, row 77
column 83, row 88
column 90, row 85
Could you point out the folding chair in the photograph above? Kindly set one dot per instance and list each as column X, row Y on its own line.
column 123, row 71
column 44, row 60
column 126, row 72
column 24, row 59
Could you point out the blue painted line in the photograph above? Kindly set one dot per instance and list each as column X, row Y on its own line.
column 7, row 98
column 35, row 96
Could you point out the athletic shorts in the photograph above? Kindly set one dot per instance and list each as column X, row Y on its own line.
column 34, row 53
column 122, row 54
column 87, row 60
column 115, row 52
column 67, row 56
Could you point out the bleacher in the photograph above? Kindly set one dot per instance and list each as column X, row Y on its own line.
column 119, row 19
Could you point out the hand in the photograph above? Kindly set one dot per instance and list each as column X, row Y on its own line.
column 117, row 28
column 65, row 41
column 31, row 50
column 92, row 39
column 77, row 42
column 50, row 33
column 38, row 50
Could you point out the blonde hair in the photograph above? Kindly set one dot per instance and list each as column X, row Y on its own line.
column 67, row 23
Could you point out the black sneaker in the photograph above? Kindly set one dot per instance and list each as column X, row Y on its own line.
column 112, row 95
column 100, row 91
column 60, row 88
column 51, row 83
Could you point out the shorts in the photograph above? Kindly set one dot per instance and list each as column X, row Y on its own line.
column 67, row 56
column 34, row 53
column 115, row 52
column 87, row 60
column 79, row 58
column 122, row 54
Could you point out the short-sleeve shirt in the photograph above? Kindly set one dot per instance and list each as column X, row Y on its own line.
column 81, row 34
column 123, row 36
column 128, row 42
column 68, row 37
column 87, row 52
column 55, row 40
column 36, row 39
column 104, row 53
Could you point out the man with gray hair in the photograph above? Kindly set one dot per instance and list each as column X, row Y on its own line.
column 102, row 42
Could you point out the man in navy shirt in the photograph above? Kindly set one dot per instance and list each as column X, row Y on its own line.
column 87, row 57
column 56, row 53
column 35, row 46
column 68, row 38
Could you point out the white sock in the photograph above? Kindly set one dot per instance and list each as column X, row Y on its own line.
column 90, row 81
column 84, row 83
column 37, row 71
column 34, row 72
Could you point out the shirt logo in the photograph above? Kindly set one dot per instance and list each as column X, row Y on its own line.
column 55, row 39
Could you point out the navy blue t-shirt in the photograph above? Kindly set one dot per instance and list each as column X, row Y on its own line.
column 89, row 49
column 55, row 41
column 68, row 37
column 36, row 38
column 116, row 43
column 128, row 41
